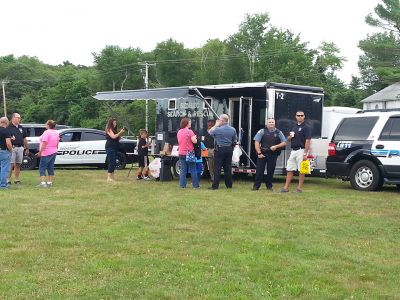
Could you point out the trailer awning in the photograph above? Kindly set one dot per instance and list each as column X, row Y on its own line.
column 152, row 94
column 256, row 90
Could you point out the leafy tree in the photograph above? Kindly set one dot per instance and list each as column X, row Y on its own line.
column 174, row 66
column 380, row 62
column 283, row 58
column 211, row 60
column 119, row 69
column 250, row 37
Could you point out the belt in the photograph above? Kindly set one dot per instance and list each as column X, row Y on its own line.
column 224, row 146
column 297, row 148
column 17, row 146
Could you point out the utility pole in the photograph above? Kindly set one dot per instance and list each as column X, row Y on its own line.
column 146, row 84
column 3, row 84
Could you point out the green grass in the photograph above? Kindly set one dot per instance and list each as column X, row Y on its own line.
column 87, row 239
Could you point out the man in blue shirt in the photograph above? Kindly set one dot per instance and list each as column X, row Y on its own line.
column 225, row 138
column 268, row 142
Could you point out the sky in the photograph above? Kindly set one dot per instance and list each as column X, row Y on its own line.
column 71, row 30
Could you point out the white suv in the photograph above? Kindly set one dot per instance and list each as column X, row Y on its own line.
column 365, row 149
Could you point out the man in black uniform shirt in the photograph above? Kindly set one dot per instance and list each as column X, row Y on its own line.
column 20, row 145
column 300, row 138
column 268, row 143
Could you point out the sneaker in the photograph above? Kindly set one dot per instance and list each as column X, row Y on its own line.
column 8, row 182
column 254, row 189
column 139, row 178
column 147, row 178
column 17, row 181
column 298, row 190
column 42, row 185
column 49, row 184
column 283, row 190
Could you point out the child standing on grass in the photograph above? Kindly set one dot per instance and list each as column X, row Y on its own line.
column 199, row 161
column 143, row 151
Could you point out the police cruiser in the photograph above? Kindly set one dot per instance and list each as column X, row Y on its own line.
column 365, row 149
column 83, row 147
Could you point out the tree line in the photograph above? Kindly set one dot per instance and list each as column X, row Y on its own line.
column 258, row 51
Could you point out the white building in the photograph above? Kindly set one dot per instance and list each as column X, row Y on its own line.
column 388, row 98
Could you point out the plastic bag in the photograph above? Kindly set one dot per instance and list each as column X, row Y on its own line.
column 305, row 167
column 237, row 152
column 154, row 167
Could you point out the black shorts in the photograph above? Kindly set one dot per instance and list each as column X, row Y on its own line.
column 143, row 161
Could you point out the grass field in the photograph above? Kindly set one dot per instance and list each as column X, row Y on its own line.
column 84, row 238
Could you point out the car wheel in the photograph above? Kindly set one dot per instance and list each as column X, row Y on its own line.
column 120, row 161
column 29, row 162
column 365, row 176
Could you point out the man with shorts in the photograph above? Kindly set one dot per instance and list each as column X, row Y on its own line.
column 300, row 138
column 19, row 144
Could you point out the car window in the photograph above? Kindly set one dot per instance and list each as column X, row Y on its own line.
column 391, row 131
column 39, row 131
column 92, row 136
column 71, row 137
column 353, row 129
column 29, row 131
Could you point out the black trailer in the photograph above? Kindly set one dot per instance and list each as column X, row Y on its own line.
column 248, row 105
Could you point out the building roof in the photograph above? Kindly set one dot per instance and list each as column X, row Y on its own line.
column 390, row 93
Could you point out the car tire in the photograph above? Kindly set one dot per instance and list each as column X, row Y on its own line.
column 365, row 176
column 29, row 162
column 120, row 161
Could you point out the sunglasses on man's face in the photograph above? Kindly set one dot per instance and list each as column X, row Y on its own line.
column 299, row 115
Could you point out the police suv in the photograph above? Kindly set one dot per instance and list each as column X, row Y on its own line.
column 83, row 147
column 365, row 149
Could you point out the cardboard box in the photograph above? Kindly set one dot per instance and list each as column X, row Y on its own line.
column 167, row 149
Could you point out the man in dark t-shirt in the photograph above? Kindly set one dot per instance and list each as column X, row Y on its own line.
column 19, row 144
column 300, row 137
column 5, row 152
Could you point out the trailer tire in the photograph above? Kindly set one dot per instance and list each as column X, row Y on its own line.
column 176, row 166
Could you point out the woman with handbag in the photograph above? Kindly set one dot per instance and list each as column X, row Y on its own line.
column 187, row 159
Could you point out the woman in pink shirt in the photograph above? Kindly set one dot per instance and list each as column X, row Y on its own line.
column 48, row 150
column 186, row 138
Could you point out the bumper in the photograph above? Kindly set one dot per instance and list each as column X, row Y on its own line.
column 337, row 169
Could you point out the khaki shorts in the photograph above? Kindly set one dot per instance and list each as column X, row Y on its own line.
column 17, row 154
column 295, row 158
